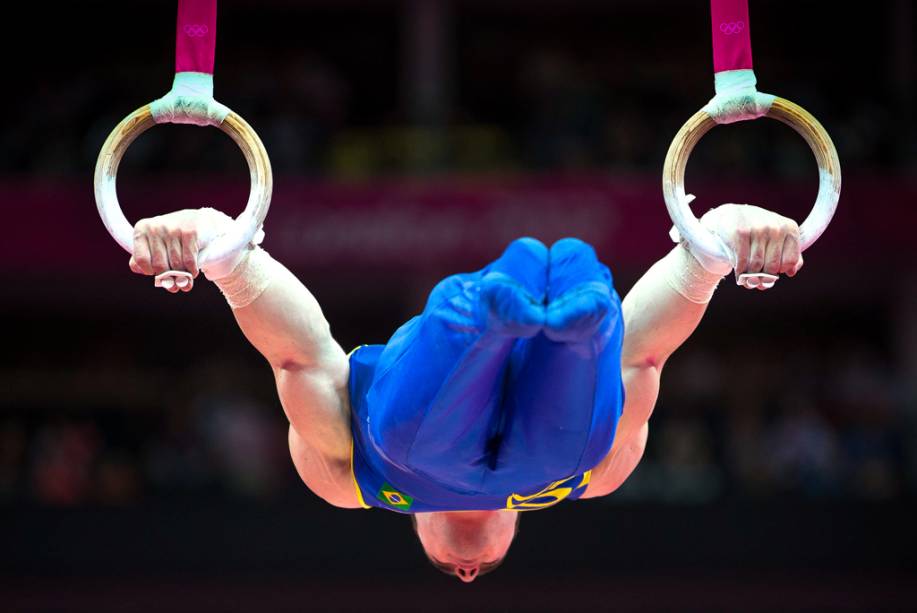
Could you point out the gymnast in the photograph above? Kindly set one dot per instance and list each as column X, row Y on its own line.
column 520, row 385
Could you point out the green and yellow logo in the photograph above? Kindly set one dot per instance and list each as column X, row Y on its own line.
column 394, row 498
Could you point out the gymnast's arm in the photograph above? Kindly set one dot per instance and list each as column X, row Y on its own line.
column 664, row 308
column 284, row 322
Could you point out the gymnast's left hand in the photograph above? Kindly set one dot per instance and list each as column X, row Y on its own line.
column 760, row 240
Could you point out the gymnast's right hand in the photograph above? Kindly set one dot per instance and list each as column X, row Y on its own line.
column 173, row 241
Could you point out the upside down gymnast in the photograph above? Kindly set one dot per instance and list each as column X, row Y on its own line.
column 520, row 385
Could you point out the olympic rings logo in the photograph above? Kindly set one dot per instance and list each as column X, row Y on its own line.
column 732, row 27
column 196, row 30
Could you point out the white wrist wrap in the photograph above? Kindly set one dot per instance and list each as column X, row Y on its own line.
column 218, row 224
column 720, row 266
column 685, row 275
column 248, row 280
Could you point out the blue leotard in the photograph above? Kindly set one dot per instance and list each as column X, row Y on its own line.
column 455, row 412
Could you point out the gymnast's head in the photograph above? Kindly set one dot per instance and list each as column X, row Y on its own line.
column 466, row 544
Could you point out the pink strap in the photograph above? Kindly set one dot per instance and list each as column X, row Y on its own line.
column 731, row 35
column 196, row 36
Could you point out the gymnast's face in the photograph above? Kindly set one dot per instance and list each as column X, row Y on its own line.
column 466, row 544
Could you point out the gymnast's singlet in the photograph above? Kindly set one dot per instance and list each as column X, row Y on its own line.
column 382, row 483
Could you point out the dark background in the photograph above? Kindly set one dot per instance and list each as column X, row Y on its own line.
column 142, row 448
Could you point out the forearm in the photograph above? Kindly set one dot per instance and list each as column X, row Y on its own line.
column 658, row 314
column 282, row 319
column 279, row 316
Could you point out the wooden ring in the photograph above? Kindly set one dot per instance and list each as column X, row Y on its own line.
column 673, row 177
column 246, row 225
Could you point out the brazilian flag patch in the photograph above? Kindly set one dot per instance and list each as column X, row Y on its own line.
column 394, row 498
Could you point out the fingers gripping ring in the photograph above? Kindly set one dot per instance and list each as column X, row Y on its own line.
column 708, row 244
column 242, row 231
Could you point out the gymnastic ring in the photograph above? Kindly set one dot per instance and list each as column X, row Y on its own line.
column 673, row 177
column 246, row 225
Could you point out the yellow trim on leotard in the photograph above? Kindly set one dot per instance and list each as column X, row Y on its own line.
column 554, row 493
column 356, row 486
column 587, row 476
column 353, row 475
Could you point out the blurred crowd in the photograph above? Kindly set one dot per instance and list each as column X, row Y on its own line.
column 569, row 119
column 131, row 433
column 547, row 109
column 833, row 422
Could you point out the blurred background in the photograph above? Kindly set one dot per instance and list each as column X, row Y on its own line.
column 143, row 460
